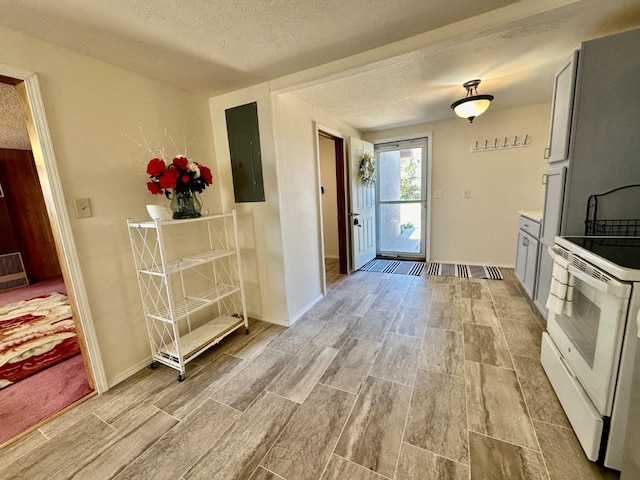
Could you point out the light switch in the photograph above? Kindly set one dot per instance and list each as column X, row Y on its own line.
column 437, row 194
column 82, row 207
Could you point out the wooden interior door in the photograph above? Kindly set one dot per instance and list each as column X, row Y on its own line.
column 23, row 208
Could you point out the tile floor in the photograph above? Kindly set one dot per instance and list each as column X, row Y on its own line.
column 388, row 377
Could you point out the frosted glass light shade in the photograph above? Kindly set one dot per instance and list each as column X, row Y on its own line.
column 471, row 107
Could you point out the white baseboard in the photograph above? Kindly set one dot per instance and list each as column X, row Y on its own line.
column 147, row 361
column 305, row 309
column 122, row 376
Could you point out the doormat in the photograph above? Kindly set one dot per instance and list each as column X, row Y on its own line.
column 464, row 271
column 402, row 267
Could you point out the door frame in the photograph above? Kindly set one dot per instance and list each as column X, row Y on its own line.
column 341, row 187
column 428, row 183
column 42, row 147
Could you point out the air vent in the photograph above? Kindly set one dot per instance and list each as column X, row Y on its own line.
column 581, row 265
column 12, row 274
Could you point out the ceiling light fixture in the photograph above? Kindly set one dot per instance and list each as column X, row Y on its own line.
column 473, row 104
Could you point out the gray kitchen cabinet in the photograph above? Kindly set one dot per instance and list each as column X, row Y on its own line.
column 562, row 110
column 527, row 253
column 557, row 154
column 554, row 181
column 593, row 141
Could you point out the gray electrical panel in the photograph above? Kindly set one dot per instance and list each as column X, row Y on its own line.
column 244, row 146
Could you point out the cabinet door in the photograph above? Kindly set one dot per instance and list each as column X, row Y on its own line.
column 521, row 256
column 553, row 203
column 562, row 110
column 532, row 266
column 543, row 284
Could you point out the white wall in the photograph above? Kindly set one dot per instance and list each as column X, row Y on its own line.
column 259, row 222
column 298, row 174
column 281, row 237
column 329, row 197
column 482, row 230
column 92, row 107
column 300, row 197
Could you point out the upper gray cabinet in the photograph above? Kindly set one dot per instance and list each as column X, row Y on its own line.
column 562, row 111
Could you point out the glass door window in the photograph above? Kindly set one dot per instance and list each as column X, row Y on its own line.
column 401, row 191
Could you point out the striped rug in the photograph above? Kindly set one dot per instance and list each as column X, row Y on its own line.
column 402, row 267
column 464, row 271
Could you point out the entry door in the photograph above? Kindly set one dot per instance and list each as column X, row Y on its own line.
column 402, row 193
column 362, row 211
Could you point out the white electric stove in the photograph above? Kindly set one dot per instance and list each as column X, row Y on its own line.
column 588, row 353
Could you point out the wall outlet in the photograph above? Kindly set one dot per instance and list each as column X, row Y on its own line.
column 466, row 194
column 437, row 194
column 82, row 207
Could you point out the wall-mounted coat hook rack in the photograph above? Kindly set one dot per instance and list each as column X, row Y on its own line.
column 495, row 144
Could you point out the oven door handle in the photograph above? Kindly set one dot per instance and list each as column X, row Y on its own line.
column 617, row 289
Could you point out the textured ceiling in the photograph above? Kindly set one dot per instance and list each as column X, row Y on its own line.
column 516, row 63
column 212, row 46
column 372, row 63
column 13, row 129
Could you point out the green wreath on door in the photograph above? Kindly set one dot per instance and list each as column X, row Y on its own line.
column 368, row 170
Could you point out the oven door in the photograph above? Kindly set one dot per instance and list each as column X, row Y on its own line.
column 590, row 339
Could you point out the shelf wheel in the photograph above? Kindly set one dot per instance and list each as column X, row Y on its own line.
column 181, row 377
column 153, row 365
column 246, row 330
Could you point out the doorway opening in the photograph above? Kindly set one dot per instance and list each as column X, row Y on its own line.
column 333, row 195
column 53, row 363
column 401, row 199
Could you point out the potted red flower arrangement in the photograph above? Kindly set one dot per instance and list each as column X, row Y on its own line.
column 180, row 181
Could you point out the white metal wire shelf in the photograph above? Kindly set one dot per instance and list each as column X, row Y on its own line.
column 191, row 304
column 152, row 223
column 201, row 337
column 171, row 307
column 188, row 262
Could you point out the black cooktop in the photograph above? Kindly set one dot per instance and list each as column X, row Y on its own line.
column 623, row 251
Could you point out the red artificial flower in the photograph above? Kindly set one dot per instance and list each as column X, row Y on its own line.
column 169, row 178
column 185, row 178
column 155, row 167
column 154, row 188
column 181, row 162
column 205, row 173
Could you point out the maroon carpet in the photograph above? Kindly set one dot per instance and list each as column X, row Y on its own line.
column 40, row 396
column 45, row 287
column 35, row 334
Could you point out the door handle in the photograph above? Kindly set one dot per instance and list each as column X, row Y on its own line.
column 611, row 287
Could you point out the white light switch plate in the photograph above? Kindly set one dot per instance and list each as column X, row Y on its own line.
column 82, row 207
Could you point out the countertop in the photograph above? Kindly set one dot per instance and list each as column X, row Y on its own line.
column 535, row 215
